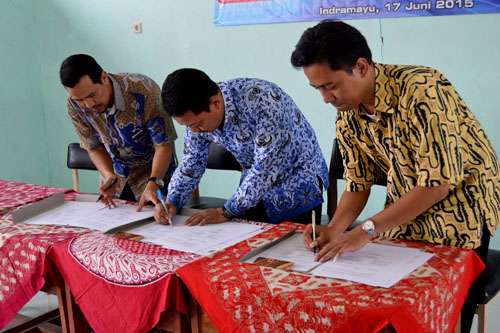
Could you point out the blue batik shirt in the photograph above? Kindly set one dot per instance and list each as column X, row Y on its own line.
column 129, row 130
column 282, row 164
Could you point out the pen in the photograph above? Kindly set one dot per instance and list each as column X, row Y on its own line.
column 162, row 200
column 314, row 228
column 113, row 182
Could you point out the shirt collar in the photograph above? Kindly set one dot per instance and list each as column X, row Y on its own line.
column 385, row 100
column 119, row 102
column 229, row 107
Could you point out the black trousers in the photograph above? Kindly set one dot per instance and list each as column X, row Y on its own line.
column 258, row 213
column 476, row 288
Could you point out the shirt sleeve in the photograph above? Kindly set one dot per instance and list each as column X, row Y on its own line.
column 188, row 175
column 435, row 133
column 271, row 135
column 159, row 123
column 89, row 139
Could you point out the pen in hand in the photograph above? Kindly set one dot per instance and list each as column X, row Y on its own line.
column 314, row 228
column 162, row 200
column 113, row 182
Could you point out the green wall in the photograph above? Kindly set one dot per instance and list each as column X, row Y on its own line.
column 181, row 34
column 23, row 152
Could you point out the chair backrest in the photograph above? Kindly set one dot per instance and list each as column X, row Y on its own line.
column 336, row 171
column 221, row 159
column 78, row 158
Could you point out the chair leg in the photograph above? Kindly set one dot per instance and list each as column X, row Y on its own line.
column 458, row 326
column 482, row 312
column 76, row 183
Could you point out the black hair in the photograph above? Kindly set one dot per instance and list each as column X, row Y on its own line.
column 187, row 89
column 331, row 41
column 74, row 67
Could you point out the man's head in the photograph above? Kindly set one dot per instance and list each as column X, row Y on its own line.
column 193, row 99
column 86, row 82
column 337, row 60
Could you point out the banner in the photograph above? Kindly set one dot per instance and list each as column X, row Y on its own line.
column 234, row 12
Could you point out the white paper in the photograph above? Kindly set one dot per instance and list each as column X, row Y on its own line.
column 203, row 240
column 92, row 215
column 374, row 264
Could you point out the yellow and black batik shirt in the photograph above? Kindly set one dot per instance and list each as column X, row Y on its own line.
column 424, row 135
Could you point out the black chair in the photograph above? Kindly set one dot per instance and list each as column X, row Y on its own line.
column 335, row 172
column 78, row 158
column 218, row 159
column 490, row 288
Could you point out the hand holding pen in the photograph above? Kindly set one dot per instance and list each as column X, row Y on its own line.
column 314, row 229
column 162, row 201
column 109, row 201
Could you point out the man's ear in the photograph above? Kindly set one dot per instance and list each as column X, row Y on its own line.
column 362, row 66
column 214, row 102
column 104, row 77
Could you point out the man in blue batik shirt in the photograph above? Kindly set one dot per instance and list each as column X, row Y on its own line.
column 283, row 168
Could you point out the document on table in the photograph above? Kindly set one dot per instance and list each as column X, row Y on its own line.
column 202, row 240
column 374, row 264
column 92, row 215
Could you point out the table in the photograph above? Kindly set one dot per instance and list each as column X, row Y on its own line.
column 122, row 285
column 248, row 298
column 23, row 247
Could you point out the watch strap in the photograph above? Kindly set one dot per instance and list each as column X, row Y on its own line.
column 158, row 181
column 227, row 214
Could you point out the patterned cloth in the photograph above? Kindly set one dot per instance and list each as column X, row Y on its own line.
column 275, row 145
column 112, row 278
column 248, row 298
column 129, row 130
column 105, row 273
column 13, row 194
column 23, row 247
column 424, row 135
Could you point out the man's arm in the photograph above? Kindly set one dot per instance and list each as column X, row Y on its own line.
column 410, row 205
column 350, row 206
column 103, row 163
column 161, row 161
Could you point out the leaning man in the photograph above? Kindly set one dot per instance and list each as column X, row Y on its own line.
column 121, row 123
column 283, row 169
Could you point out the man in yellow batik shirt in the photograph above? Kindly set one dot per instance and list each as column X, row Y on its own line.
column 443, row 183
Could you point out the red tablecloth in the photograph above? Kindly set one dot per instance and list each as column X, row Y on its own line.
column 23, row 247
column 14, row 194
column 121, row 285
column 248, row 298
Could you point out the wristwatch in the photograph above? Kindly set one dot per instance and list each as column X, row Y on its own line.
column 369, row 227
column 158, row 181
column 227, row 214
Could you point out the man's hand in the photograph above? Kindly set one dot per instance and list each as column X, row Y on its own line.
column 206, row 216
column 330, row 246
column 108, row 190
column 149, row 194
column 161, row 216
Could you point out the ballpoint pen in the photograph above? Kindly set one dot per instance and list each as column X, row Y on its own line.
column 314, row 228
column 162, row 200
column 113, row 182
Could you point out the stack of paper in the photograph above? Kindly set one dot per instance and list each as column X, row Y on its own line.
column 375, row 264
column 202, row 240
column 92, row 215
